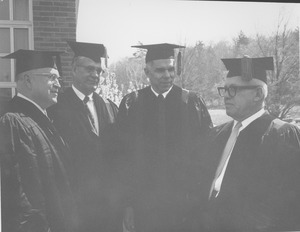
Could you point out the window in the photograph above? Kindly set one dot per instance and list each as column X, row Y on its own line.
column 16, row 32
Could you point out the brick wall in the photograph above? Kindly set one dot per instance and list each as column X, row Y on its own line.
column 54, row 22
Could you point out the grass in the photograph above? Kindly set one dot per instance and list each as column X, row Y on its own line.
column 219, row 117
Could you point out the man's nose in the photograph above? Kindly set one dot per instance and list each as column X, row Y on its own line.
column 57, row 84
column 227, row 95
column 167, row 74
column 95, row 74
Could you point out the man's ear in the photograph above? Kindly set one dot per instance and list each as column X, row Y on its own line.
column 259, row 96
column 74, row 68
column 146, row 70
column 27, row 80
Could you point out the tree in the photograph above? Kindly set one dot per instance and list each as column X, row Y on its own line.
column 108, row 87
column 284, row 83
column 203, row 70
column 130, row 74
column 241, row 44
column 191, row 62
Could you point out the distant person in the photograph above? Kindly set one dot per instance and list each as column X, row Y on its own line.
column 85, row 120
column 159, row 126
column 35, row 185
column 253, row 163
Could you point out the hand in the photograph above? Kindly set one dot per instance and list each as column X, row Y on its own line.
column 128, row 221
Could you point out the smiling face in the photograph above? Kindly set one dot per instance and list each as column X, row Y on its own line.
column 161, row 74
column 245, row 103
column 86, row 74
column 44, row 86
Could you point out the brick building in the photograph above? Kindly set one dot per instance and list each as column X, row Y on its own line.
column 34, row 24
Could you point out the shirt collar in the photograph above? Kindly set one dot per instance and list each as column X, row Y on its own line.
column 80, row 94
column 250, row 119
column 164, row 94
column 27, row 99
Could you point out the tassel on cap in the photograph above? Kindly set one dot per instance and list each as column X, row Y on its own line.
column 179, row 64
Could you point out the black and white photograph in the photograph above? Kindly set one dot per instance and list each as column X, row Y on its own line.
column 149, row 116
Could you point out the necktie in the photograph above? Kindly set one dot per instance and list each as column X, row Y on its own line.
column 161, row 123
column 90, row 116
column 225, row 156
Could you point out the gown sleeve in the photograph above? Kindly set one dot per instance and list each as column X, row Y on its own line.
column 22, row 202
column 203, row 116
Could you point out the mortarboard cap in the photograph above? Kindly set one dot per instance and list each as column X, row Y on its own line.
column 30, row 59
column 249, row 68
column 159, row 51
column 89, row 50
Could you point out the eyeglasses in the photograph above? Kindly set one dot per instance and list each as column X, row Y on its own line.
column 233, row 89
column 51, row 77
column 91, row 69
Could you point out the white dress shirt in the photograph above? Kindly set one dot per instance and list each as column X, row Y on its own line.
column 218, row 180
column 164, row 94
column 90, row 105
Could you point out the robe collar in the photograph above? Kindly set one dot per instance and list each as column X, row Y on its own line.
column 250, row 119
column 27, row 99
column 164, row 94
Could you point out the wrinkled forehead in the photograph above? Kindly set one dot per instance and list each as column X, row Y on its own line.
column 54, row 71
column 238, row 80
column 44, row 71
column 162, row 62
column 82, row 60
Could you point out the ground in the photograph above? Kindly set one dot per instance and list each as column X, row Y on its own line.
column 219, row 116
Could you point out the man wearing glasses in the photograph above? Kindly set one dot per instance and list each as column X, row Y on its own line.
column 85, row 120
column 253, row 162
column 35, row 187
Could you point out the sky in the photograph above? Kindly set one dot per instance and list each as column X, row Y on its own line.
column 119, row 24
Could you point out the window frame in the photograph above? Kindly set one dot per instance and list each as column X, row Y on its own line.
column 12, row 24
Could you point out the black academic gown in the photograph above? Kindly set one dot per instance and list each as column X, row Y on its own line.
column 90, row 156
column 260, row 190
column 160, row 165
column 35, row 188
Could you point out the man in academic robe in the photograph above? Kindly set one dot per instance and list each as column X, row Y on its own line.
column 159, row 126
column 252, row 166
column 86, row 122
column 35, row 182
